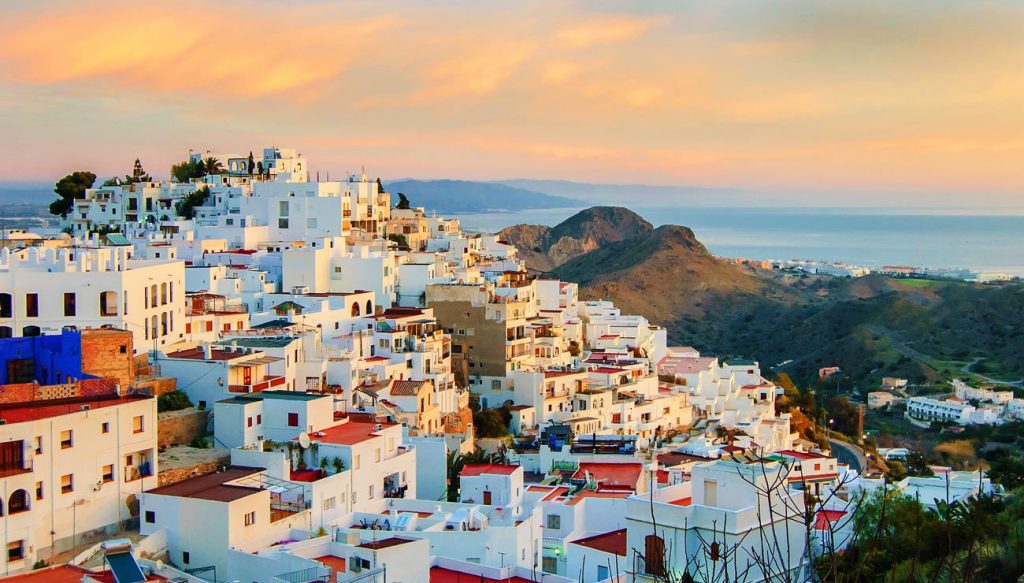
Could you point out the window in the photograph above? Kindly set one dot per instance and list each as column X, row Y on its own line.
column 282, row 208
column 6, row 306
column 248, row 422
column 67, row 483
column 188, row 328
column 209, row 326
column 554, row 521
column 184, row 557
column 550, row 564
column 654, row 555
column 150, row 517
column 376, row 455
column 152, row 296
column 66, row 439
column 69, row 304
column 108, row 303
column 250, row 518
column 329, row 503
column 39, row 444
column 371, row 491
column 259, row 419
column 105, row 427
column 163, row 294
column 108, row 473
column 138, row 424
column 355, row 465
column 39, row 490
column 282, row 223
column 16, row 551
column 293, row 420
column 31, row 305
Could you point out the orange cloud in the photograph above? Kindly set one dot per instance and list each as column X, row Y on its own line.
column 604, row 31
column 220, row 53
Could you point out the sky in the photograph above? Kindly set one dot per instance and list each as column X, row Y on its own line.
column 853, row 102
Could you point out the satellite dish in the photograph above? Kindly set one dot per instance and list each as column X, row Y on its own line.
column 304, row 440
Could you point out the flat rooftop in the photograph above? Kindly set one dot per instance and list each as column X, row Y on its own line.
column 441, row 575
column 37, row 410
column 258, row 342
column 384, row 543
column 350, row 433
column 478, row 469
column 212, row 486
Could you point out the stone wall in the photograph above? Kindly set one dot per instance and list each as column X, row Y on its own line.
column 175, row 475
column 181, row 427
column 157, row 386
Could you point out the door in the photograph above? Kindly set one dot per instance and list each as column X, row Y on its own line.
column 487, row 498
column 246, row 376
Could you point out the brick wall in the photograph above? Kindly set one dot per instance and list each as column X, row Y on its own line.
column 28, row 392
column 109, row 353
column 181, row 427
column 158, row 385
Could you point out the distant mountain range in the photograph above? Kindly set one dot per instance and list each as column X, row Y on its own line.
column 873, row 326
column 464, row 196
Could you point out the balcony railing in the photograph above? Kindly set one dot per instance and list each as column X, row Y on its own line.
column 266, row 383
column 14, row 469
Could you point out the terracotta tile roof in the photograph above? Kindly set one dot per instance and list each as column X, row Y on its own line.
column 613, row 542
column 406, row 388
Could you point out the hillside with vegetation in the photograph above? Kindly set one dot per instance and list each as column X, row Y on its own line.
column 873, row 326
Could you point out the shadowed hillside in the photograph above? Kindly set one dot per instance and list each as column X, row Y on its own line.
column 872, row 326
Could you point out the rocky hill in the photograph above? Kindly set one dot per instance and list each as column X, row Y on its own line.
column 545, row 248
column 871, row 326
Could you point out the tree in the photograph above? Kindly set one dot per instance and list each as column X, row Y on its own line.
column 138, row 174
column 185, row 171
column 380, row 187
column 69, row 188
column 213, row 165
column 403, row 202
column 252, row 163
column 186, row 207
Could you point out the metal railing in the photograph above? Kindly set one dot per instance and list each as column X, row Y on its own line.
column 322, row 574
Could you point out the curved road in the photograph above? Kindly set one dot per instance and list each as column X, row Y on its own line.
column 849, row 454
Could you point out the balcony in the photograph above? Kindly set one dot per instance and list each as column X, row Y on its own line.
column 16, row 468
column 266, row 383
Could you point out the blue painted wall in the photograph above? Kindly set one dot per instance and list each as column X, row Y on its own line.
column 56, row 357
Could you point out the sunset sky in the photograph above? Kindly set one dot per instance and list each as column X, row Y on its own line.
column 840, row 101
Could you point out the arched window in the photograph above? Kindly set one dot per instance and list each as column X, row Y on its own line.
column 369, row 307
column 108, row 303
column 355, row 309
column 6, row 306
column 18, row 502
column 6, row 332
column 152, row 328
column 31, row 331
column 163, row 294
column 163, row 324
column 152, row 295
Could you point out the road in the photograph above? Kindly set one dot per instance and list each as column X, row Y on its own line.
column 849, row 454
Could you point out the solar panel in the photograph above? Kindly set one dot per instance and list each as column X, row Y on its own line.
column 124, row 568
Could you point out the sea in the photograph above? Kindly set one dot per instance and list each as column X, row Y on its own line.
column 988, row 240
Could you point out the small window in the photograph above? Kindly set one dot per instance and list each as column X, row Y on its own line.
column 69, row 304
column 108, row 473
column 248, row 422
column 329, row 503
column 39, row 490
column 150, row 517
column 259, row 419
column 184, row 557
column 31, row 305
column 39, row 445
column 554, row 521
column 371, row 491
column 250, row 518
column 355, row 462
column 293, row 420
column 66, row 439
column 15, row 551
column 105, row 427
column 67, row 483
column 138, row 424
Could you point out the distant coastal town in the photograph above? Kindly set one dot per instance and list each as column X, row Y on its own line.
column 841, row 269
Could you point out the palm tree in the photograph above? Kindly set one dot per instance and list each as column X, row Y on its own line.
column 213, row 165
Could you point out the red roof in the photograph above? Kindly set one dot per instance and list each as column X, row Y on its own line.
column 478, row 469
column 607, row 370
column 800, row 454
column 212, row 486
column 591, row 494
column 441, row 575
column 682, row 501
column 828, row 519
column 61, row 574
column 611, row 476
column 613, row 542
column 350, row 433
column 36, row 410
